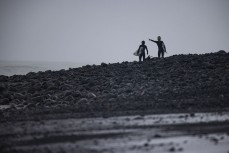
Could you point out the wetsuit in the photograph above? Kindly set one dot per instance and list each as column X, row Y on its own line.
column 161, row 48
column 141, row 50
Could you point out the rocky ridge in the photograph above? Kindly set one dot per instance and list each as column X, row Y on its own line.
column 177, row 83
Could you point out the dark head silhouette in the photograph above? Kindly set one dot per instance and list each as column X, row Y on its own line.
column 161, row 46
column 143, row 42
column 159, row 38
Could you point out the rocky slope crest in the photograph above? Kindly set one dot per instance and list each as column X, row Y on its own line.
column 177, row 83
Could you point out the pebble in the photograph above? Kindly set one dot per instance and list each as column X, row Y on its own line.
column 37, row 99
column 172, row 149
column 83, row 101
column 91, row 95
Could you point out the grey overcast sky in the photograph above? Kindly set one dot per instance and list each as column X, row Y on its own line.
column 95, row 31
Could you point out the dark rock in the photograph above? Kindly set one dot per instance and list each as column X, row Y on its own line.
column 30, row 105
column 37, row 99
column 3, row 78
column 91, row 95
column 172, row 149
column 54, row 87
column 44, row 85
column 25, row 103
column 157, row 136
column 111, row 100
column 13, row 89
column 146, row 144
column 64, row 87
column 13, row 107
column 15, row 101
column 222, row 52
column 7, row 95
column 19, row 96
column 83, row 101
column 192, row 114
column 69, row 98
column 91, row 84
column 77, row 94
column 68, row 93
column 31, row 90
column 103, row 64
column 4, row 101
column 2, row 89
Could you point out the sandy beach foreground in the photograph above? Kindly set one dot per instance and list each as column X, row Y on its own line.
column 195, row 132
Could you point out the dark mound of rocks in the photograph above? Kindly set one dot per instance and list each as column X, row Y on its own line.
column 176, row 83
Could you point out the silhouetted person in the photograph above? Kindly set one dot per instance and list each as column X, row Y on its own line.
column 161, row 46
column 141, row 51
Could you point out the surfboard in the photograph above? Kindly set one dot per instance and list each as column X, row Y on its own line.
column 136, row 53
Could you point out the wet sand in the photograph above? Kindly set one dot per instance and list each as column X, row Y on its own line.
column 192, row 132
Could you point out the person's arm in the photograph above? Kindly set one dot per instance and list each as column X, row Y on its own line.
column 147, row 50
column 152, row 40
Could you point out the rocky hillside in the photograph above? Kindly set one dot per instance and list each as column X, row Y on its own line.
column 176, row 83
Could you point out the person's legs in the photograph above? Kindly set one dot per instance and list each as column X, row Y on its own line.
column 159, row 54
column 140, row 57
column 143, row 56
column 162, row 54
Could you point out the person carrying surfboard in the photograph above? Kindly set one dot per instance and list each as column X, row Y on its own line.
column 161, row 46
column 141, row 51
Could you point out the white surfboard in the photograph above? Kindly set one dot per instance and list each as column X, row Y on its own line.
column 136, row 53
